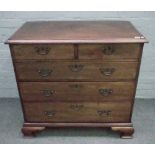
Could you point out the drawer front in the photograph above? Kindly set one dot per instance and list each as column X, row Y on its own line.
column 109, row 51
column 76, row 91
column 75, row 70
column 49, row 51
column 77, row 112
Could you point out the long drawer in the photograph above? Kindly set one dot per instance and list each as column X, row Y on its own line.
column 109, row 51
column 76, row 91
column 77, row 112
column 43, row 51
column 75, row 70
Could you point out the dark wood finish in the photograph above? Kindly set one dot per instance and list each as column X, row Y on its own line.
column 136, row 80
column 111, row 112
column 77, row 74
column 76, row 52
column 43, row 52
column 77, row 32
column 76, row 70
column 109, row 51
column 16, row 78
column 31, row 131
column 76, row 91
column 28, row 124
column 125, row 132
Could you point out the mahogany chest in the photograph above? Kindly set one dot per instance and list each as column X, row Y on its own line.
column 77, row 74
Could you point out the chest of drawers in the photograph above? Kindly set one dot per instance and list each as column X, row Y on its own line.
column 77, row 74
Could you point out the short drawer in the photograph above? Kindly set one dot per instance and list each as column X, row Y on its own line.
column 75, row 70
column 109, row 51
column 78, row 112
column 41, row 51
column 76, row 91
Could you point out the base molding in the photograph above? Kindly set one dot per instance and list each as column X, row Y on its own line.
column 126, row 130
column 31, row 131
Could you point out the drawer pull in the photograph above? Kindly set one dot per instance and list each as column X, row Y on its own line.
column 108, row 50
column 42, row 50
column 76, row 107
column 48, row 93
column 76, row 67
column 49, row 113
column 45, row 72
column 107, row 71
column 103, row 112
column 105, row 92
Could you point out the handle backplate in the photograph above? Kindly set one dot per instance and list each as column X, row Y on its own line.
column 42, row 50
column 76, row 106
column 76, row 67
column 107, row 71
column 104, row 112
column 48, row 93
column 49, row 113
column 108, row 49
column 45, row 72
column 105, row 92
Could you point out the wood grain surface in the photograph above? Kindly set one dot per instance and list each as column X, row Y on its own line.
column 109, row 51
column 77, row 32
column 72, row 72
column 76, row 70
column 69, row 112
column 43, row 52
column 76, row 91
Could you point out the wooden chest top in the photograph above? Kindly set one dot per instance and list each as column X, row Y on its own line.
column 77, row 32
